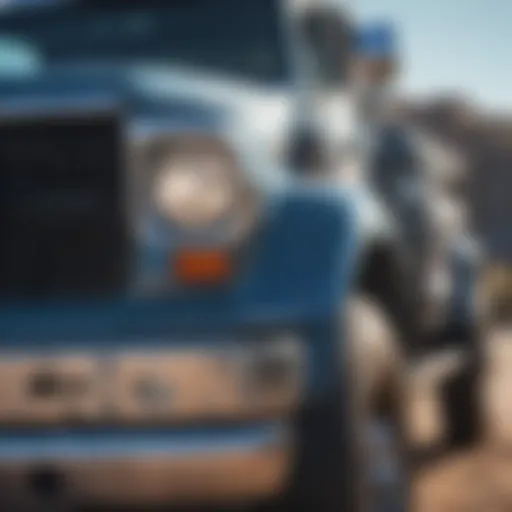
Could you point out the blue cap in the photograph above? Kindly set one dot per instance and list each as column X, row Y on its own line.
column 377, row 40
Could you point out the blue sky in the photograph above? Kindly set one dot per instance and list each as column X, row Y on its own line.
column 452, row 45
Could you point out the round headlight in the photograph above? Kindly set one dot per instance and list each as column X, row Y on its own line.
column 195, row 190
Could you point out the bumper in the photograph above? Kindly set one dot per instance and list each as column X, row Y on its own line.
column 247, row 464
column 165, row 451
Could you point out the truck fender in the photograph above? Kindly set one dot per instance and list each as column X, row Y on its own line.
column 381, row 265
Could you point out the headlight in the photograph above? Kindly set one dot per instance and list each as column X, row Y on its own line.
column 196, row 189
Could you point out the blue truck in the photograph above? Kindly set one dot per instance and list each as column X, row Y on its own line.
column 203, row 295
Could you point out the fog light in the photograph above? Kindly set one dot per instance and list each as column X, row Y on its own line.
column 274, row 372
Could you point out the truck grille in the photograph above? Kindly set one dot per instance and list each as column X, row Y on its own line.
column 62, row 219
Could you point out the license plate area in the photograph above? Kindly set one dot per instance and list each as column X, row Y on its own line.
column 153, row 385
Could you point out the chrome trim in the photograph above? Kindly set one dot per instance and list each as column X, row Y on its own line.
column 29, row 107
column 152, row 386
column 230, row 231
column 146, row 130
column 242, row 465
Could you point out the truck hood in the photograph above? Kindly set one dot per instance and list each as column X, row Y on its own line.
column 156, row 97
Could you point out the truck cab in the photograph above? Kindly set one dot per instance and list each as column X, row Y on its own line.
column 183, row 225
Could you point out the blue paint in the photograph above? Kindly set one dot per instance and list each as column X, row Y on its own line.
column 294, row 271
column 294, row 278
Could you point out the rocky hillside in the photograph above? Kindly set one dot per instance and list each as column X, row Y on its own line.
column 486, row 142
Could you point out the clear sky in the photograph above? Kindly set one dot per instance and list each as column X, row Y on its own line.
column 452, row 45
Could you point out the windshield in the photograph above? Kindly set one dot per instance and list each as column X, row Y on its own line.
column 235, row 37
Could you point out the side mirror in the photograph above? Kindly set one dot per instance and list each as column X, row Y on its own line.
column 375, row 54
column 307, row 153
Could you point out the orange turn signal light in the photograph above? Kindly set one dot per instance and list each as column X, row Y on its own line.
column 202, row 266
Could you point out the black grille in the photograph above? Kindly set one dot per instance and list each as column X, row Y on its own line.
column 62, row 221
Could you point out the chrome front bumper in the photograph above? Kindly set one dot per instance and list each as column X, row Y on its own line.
column 151, row 385
column 243, row 464
column 129, row 426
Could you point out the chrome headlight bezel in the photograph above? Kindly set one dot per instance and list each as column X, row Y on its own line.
column 226, row 226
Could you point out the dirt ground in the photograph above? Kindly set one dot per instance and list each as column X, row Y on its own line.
column 480, row 480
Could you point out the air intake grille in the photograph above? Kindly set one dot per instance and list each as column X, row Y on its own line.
column 62, row 219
